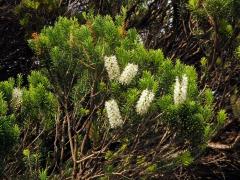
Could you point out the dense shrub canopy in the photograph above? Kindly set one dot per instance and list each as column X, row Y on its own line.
column 101, row 104
column 85, row 65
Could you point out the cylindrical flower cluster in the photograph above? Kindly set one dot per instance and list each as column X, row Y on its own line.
column 144, row 102
column 113, row 113
column 129, row 72
column 184, row 87
column 177, row 92
column 16, row 98
column 112, row 67
column 180, row 90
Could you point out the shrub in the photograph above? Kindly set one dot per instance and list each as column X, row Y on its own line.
column 127, row 100
column 9, row 131
column 23, row 108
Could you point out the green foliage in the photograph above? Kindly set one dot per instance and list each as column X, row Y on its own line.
column 43, row 174
column 217, row 21
column 147, row 82
column 217, row 9
column 238, row 52
column 34, row 14
column 185, row 158
column 193, row 4
column 26, row 152
column 221, row 117
column 6, row 87
column 203, row 62
column 74, row 54
column 39, row 104
column 73, row 59
column 31, row 160
column 36, row 106
column 108, row 169
column 37, row 78
column 9, row 131
column 3, row 105
column 208, row 99
column 188, row 121
column 30, row 4
column 141, row 160
column 151, row 168
column 226, row 28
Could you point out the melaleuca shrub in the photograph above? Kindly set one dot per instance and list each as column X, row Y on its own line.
column 9, row 130
column 102, row 73
column 39, row 105
column 22, row 108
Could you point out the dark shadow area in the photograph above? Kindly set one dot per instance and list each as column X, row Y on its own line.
column 15, row 55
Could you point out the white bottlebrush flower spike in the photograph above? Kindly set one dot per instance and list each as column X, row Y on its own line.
column 128, row 74
column 112, row 67
column 113, row 113
column 144, row 102
column 16, row 98
column 184, row 86
column 177, row 92
column 180, row 90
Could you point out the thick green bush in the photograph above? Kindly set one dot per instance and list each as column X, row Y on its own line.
column 9, row 130
column 117, row 108
column 21, row 109
column 103, row 76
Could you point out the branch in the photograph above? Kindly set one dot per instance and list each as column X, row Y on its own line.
column 224, row 146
